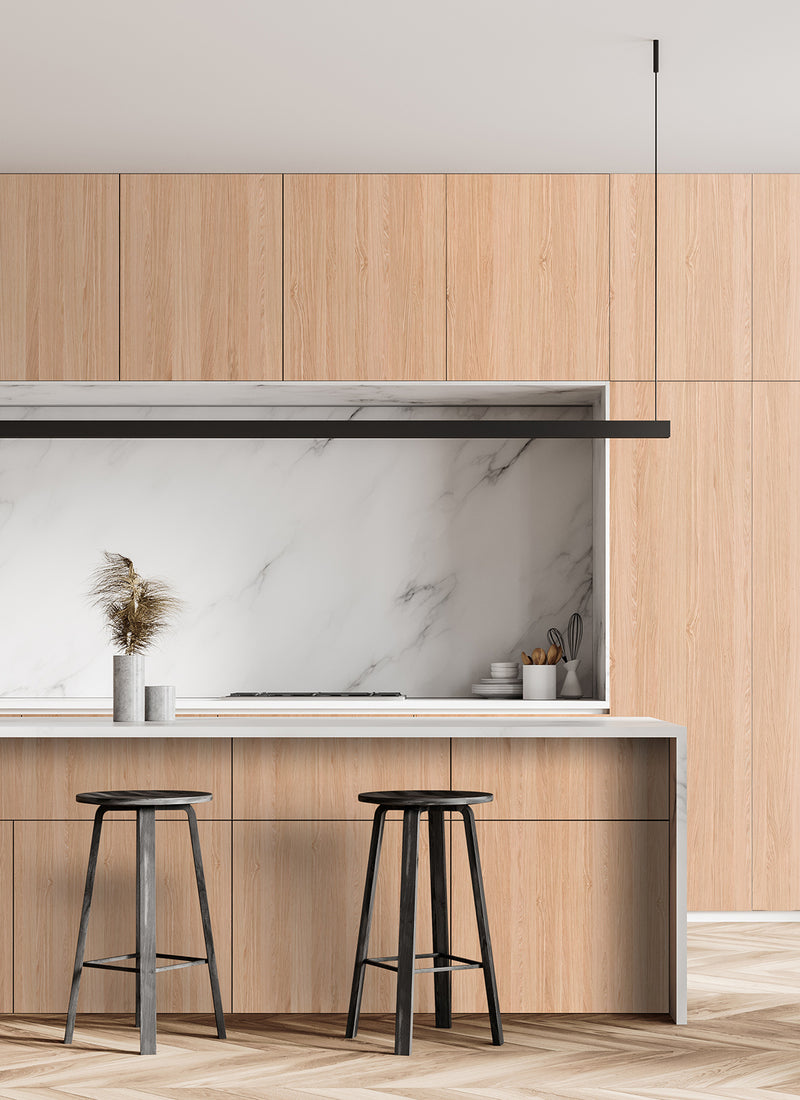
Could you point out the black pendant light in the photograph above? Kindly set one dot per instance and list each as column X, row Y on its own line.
column 374, row 428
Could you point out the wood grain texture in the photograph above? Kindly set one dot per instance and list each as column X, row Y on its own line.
column 527, row 277
column 680, row 575
column 59, row 277
column 776, row 277
column 50, row 867
column 6, row 916
column 578, row 779
column 632, row 277
column 39, row 777
column 364, row 285
column 704, row 277
column 201, row 277
column 742, row 1043
column 578, row 915
column 776, row 678
column 288, row 778
column 298, row 887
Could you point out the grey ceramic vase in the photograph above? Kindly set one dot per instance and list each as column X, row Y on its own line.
column 129, row 687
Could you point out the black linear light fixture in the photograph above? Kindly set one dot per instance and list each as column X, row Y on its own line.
column 375, row 428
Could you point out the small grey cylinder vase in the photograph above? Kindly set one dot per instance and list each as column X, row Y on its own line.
column 159, row 703
column 129, row 687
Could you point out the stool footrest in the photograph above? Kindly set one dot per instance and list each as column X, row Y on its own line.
column 384, row 963
column 109, row 963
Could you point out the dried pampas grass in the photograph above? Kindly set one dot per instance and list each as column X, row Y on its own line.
column 137, row 610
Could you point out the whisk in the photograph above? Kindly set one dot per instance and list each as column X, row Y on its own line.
column 555, row 637
column 574, row 635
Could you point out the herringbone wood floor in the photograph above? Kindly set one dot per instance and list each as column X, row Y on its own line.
column 742, row 1043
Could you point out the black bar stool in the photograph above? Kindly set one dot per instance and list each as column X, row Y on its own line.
column 145, row 803
column 413, row 804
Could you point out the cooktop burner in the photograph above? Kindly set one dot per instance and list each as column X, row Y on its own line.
column 316, row 695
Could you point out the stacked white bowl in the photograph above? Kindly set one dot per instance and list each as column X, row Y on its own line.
column 504, row 683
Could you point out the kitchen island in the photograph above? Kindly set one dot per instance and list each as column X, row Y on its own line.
column 584, row 852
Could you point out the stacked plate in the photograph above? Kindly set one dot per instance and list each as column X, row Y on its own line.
column 504, row 683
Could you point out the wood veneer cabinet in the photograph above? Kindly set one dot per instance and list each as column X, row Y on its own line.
column 294, row 777
column 59, row 243
column 201, row 277
column 776, row 636
column 578, row 912
column 298, row 887
column 704, row 277
column 39, row 777
column 527, row 277
column 776, row 277
column 553, row 778
column 49, row 868
column 364, row 277
column 680, row 617
column 6, row 916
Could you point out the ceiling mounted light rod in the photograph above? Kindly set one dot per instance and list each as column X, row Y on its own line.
column 333, row 429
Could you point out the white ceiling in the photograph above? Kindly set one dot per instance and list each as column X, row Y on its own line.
column 412, row 85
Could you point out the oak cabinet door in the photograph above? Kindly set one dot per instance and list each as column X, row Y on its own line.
column 680, row 609
column 200, row 278
column 527, row 277
column 364, row 277
column 577, row 912
column 49, row 871
column 298, row 887
column 776, row 277
column 308, row 778
column 776, row 674
column 59, row 277
column 704, row 277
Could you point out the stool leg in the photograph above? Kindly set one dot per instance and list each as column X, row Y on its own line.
column 83, row 927
column 362, row 947
column 406, row 946
column 442, row 983
column 146, row 927
column 483, row 926
column 206, row 918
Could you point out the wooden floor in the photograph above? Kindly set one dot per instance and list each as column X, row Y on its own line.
column 742, row 1042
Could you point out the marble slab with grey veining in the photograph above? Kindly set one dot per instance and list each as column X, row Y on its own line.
column 324, row 564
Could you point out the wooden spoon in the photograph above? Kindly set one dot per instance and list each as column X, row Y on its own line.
column 553, row 655
column 538, row 656
column 526, row 659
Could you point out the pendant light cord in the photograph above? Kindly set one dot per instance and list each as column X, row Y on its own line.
column 655, row 229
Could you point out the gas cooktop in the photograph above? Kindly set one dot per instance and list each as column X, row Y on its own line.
column 316, row 695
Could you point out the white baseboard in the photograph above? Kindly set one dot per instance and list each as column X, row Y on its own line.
column 755, row 916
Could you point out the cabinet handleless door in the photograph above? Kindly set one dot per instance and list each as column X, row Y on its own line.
column 200, row 278
column 364, row 277
column 59, row 272
column 776, row 277
column 704, row 277
column 680, row 575
column 776, row 679
column 527, row 277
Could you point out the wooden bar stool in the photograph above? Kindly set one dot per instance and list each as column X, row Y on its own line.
column 413, row 804
column 145, row 803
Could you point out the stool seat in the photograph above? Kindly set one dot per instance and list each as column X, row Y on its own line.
column 440, row 800
column 133, row 800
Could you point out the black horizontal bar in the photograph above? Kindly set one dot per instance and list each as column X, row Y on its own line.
column 335, row 429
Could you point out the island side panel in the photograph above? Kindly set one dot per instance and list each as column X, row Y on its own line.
column 677, row 870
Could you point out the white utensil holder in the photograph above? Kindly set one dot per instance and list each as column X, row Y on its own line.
column 538, row 681
column 571, row 688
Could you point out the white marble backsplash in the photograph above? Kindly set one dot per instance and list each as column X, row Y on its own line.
column 397, row 565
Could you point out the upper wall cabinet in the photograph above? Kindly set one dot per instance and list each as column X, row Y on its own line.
column 59, row 245
column 364, row 277
column 776, row 278
column 527, row 276
column 201, row 277
column 704, row 277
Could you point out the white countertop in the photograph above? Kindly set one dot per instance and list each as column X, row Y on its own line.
column 471, row 707
column 326, row 725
